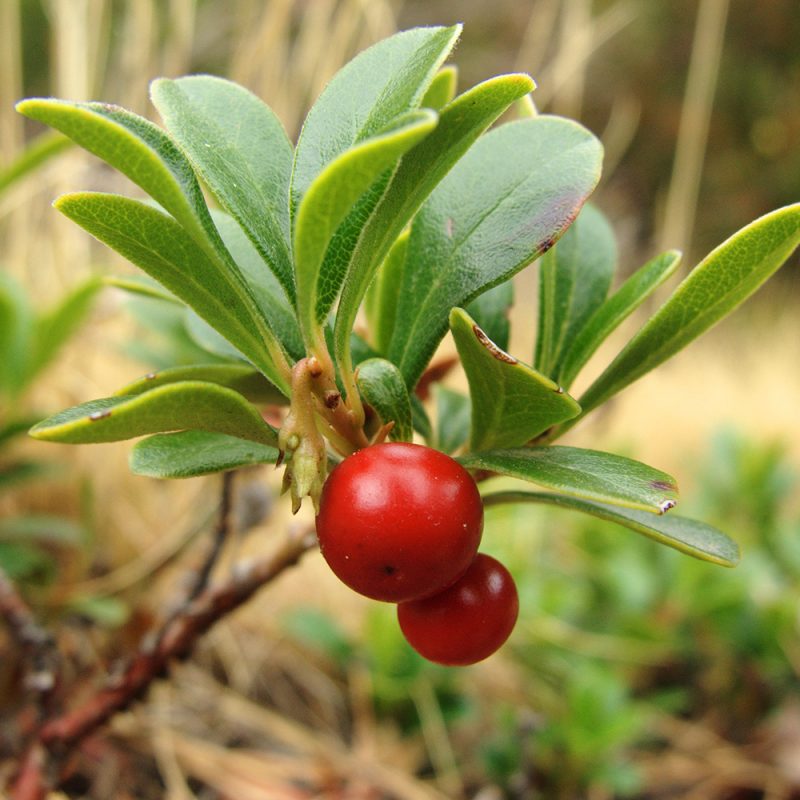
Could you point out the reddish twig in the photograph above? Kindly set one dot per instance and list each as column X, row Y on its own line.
column 175, row 641
column 59, row 735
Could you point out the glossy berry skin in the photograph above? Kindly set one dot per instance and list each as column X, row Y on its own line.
column 399, row 521
column 466, row 622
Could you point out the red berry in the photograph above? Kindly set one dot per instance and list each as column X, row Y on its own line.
column 466, row 622
column 399, row 521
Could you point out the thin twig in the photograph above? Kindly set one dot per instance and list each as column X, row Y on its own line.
column 176, row 641
column 221, row 532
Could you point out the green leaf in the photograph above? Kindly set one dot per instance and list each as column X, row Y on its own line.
column 146, row 155
column 506, row 202
column 419, row 416
column 453, row 412
column 109, row 612
column 266, row 290
column 326, row 203
column 191, row 453
column 511, row 403
column 42, row 528
column 16, row 331
column 367, row 94
column 381, row 385
column 490, row 311
column 614, row 310
column 39, row 151
column 442, row 89
column 18, row 472
column 10, row 429
column 189, row 405
column 139, row 150
column 240, row 149
column 716, row 286
column 54, row 328
column 380, row 303
column 24, row 562
column 421, row 169
column 574, row 279
column 158, row 245
column 601, row 477
column 245, row 380
column 687, row 535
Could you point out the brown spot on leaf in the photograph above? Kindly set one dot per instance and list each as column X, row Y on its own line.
column 150, row 376
column 493, row 349
column 448, row 227
column 96, row 415
column 664, row 486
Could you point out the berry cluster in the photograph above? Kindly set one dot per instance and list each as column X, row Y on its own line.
column 402, row 523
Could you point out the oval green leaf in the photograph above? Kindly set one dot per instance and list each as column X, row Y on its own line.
column 381, row 385
column 377, row 86
column 188, row 454
column 189, row 405
column 689, row 536
column 590, row 474
column 240, row 149
column 714, row 288
column 511, row 403
column 507, row 201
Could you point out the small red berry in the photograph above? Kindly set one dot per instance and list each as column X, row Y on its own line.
column 466, row 622
column 399, row 521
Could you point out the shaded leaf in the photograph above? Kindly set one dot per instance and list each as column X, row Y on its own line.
column 16, row 331
column 506, row 202
column 511, row 403
column 189, row 405
column 716, row 286
column 18, row 472
column 453, row 412
column 442, row 89
column 268, row 294
column 614, row 310
column 191, row 453
column 381, row 300
column 239, row 147
column 590, row 474
column 690, row 536
column 381, row 385
column 574, row 279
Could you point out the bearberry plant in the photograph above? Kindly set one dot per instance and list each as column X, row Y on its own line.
column 327, row 272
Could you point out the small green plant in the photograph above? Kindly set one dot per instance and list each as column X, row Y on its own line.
column 401, row 199
column 29, row 342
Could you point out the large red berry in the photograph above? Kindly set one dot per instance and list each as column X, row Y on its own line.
column 466, row 622
column 399, row 521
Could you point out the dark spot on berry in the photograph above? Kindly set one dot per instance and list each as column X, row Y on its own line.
column 389, row 569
